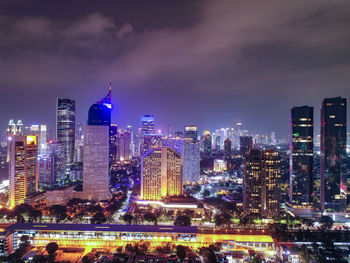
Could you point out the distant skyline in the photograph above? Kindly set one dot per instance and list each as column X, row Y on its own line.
column 186, row 62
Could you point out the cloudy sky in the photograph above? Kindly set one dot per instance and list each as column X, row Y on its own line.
column 210, row 63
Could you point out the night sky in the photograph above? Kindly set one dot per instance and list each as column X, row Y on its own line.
column 210, row 63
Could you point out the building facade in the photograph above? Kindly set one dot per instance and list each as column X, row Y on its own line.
column 161, row 176
column 246, row 144
column 301, row 155
column 261, row 184
column 333, row 154
column 147, row 124
column 23, row 175
column 191, row 132
column 65, row 133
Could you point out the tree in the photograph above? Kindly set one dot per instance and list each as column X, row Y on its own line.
column 206, row 193
column 182, row 221
column 98, row 218
column 326, row 222
column 128, row 218
column 35, row 215
column 149, row 217
column 51, row 249
column 181, row 252
column 59, row 211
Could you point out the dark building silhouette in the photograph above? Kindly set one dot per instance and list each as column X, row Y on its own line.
column 227, row 148
column 207, row 144
column 65, row 133
column 333, row 154
column 246, row 144
column 113, row 131
column 301, row 155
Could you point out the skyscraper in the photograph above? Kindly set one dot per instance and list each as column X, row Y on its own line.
column 100, row 113
column 333, row 154
column 114, row 145
column 227, row 148
column 161, row 174
column 246, row 144
column 23, row 152
column 147, row 124
column 124, row 141
column 191, row 132
column 301, row 155
column 190, row 156
column 207, row 144
column 96, row 162
column 65, row 133
column 260, row 183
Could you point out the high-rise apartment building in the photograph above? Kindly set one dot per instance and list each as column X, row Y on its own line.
column 65, row 133
column 333, row 154
column 23, row 151
column 301, row 155
column 191, row 132
column 147, row 124
column 161, row 174
column 260, row 183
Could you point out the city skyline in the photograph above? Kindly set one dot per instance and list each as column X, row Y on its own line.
column 208, row 95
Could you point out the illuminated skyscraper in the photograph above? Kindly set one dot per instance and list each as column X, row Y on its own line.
column 246, row 144
column 301, row 155
column 22, row 168
column 96, row 162
column 147, row 124
column 65, row 133
column 333, row 154
column 124, row 141
column 114, row 145
column 100, row 113
column 191, row 132
column 260, row 183
column 161, row 174
column 190, row 156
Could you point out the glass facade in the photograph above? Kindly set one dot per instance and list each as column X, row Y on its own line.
column 301, row 155
column 333, row 154
column 65, row 133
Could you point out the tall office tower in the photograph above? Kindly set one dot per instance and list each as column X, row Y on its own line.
column 19, row 128
column 161, row 176
column 43, row 140
column 96, row 163
column 227, row 148
column 333, row 154
column 191, row 132
column 124, row 141
column 190, row 156
column 301, row 155
column 246, row 144
column 113, row 134
column 260, row 183
column 100, row 113
column 129, row 130
column 11, row 128
column 65, row 133
column 79, row 134
column 147, row 124
column 54, row 151
column 206, row 143
column 239, row 129
column 170, row 130
column 45, row 170
column 22, row 168
column 273, row 140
